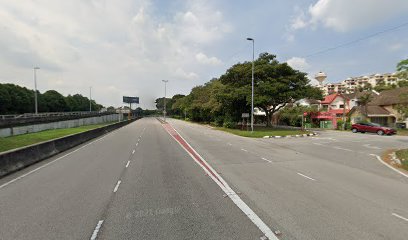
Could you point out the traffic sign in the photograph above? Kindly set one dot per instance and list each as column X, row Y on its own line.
column 130, row 99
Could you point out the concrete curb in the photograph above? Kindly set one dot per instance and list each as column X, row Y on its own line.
column 17, row 159
column 293, row 136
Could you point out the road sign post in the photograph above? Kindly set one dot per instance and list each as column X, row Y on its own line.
column 130, row 100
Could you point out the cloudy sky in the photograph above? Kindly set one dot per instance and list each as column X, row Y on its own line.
column 127, row 47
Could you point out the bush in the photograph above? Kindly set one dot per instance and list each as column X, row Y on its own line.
column 229, row 124
column 218, row 121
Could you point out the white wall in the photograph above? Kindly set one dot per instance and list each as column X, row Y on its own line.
column 12, row 131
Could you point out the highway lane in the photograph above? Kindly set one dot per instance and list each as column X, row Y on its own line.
column 312, row 191
column 134, row 183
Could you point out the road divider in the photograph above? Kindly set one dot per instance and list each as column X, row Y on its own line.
column 14, row 160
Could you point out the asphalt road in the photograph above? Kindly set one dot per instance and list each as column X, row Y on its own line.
column 162, row 193
column 324, row 187
column 138, row 183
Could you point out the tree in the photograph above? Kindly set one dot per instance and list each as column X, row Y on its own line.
column 402, row 68
column 363, row 101
column 54, row 101
column 276, row 85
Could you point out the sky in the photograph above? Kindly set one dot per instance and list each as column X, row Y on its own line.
column 127, row 47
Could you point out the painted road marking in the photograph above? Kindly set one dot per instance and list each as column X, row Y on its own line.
column 137, row 143
column 266, row 160
column 133, row 152
column 400, row 217
column 306, row 176
column 47, row 164
column 244, row 150
column 344, row 149
column 97, row 228
column 395, row 170
column 127, row 164
column 117, row 186
column 229, row 144
column 220, row 182
column 319, row 144
column 369, row 146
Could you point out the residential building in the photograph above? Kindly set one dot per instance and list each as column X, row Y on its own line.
column 382, row 109
column 350, row 85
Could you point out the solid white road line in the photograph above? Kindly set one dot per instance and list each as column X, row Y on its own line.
column 127, row 164
column 400, row 217
column 266, row 160
column 395, row 170
column 227, row 189
column 244, row 150
column 306, row 176
column 133, row 152
column 47, row 164
column 97, row 228
column 117, row 186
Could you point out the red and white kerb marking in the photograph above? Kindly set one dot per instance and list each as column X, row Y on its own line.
column 220, row 182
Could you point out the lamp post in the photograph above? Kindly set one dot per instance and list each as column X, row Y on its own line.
column 165, row 92
column 35, row 89
column 252, row 84
column 90, row 99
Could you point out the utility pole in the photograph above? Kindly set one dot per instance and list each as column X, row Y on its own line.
column 165, row 92
column 90, row 99
column 35, row 89
column 252, row 84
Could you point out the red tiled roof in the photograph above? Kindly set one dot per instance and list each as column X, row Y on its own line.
column 338, row 111
column 330, row 98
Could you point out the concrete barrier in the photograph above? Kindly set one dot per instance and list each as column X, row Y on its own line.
column 18, row 130
column 17, row 159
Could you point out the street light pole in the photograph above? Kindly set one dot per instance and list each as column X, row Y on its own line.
column 252, row 83
column 90, row 99
column 165, row 92
column 35, row 89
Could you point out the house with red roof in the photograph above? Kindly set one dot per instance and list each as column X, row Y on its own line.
column 331, row 109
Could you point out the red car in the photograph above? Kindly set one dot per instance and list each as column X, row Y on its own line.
column 372, row 127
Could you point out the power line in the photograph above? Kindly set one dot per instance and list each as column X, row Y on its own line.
column 356, row 40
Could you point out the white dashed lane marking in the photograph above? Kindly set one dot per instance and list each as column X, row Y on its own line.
column 266, row 160
column 400, row 217
column 127, row 164
column 117, row 186
column 306, row 177
column 97, row 228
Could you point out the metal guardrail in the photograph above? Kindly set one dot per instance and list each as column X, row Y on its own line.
column 48, row 114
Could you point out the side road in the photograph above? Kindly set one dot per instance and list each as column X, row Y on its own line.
column 323, row 187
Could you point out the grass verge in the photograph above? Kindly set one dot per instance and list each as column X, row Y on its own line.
column 402, row 132
column 261, row 132
column 18, row 141
column 403, row 156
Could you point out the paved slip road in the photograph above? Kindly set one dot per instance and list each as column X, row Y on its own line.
column 324, row 187
column 138, row 183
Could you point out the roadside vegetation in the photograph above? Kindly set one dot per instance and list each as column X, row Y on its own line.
column 18, row 141
column 403, row 156
column 260, row 132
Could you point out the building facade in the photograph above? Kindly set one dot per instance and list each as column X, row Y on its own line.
column 351, row 84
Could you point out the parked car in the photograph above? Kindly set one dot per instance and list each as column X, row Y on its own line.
column 372, row 127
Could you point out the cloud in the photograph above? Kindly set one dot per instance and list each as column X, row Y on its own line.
column 348, row 15
column 202, row 58
column 118, row 47
column 298, row 64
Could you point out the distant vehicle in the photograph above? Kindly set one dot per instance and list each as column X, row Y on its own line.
column 372, row 127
